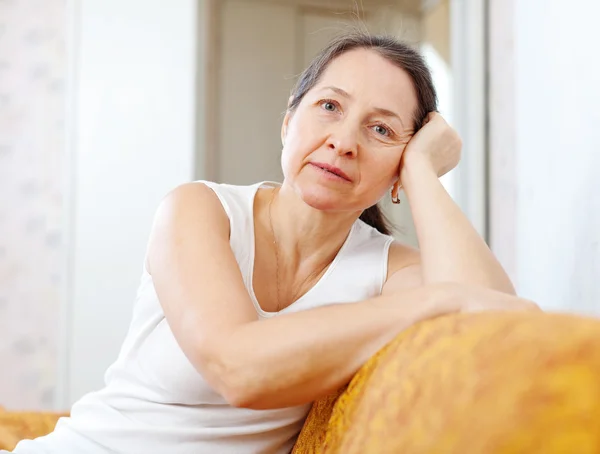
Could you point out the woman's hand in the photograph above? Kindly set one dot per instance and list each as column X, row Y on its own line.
column 437, row 142
column 472, row 298
column 441, row 299
column 436, row 145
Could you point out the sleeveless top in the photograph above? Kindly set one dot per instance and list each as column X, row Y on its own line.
column 155, row 401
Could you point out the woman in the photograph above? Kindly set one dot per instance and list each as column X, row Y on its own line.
column 257, row 300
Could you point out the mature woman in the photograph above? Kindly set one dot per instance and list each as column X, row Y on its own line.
column 257, row 300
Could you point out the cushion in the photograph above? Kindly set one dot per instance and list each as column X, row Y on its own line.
column 16, row 426
column 480, row 383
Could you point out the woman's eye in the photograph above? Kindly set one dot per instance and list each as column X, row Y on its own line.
column 381, row 130
column 329, row 106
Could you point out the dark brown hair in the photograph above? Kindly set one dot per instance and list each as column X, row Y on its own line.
column 396, row 52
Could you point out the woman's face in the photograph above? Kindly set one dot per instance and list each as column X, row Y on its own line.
column 343, row 143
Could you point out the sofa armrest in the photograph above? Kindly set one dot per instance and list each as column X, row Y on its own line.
column 482, row 383
column 16, row 426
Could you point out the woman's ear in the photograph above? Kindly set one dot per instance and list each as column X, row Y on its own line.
column 284, row 127
column 286, row 120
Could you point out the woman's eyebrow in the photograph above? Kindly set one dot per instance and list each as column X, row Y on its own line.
column 379, row 110
column 388, row 113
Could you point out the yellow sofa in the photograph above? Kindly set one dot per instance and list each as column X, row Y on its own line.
column 487, row 383
column 15, row 426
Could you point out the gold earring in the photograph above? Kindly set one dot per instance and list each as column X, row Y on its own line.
column 394, row 193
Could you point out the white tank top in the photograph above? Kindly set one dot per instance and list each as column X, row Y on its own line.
column 154, row 400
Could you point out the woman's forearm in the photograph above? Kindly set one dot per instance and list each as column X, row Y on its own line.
column 296, row 358
column 451, row 248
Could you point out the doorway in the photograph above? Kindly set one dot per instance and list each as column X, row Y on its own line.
column 259, row 47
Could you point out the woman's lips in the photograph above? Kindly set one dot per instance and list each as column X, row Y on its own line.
column 332, row 170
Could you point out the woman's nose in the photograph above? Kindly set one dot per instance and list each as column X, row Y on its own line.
column 344, row 142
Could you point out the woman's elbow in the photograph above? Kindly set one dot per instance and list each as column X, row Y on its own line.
column 240, row 398
column 507, row 286
column 241, row 388
column 226, row 375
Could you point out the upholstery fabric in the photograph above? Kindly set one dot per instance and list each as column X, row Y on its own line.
column 484, row 383
column 16, row 426
column 487, row 383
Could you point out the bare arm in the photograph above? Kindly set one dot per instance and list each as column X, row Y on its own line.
column 297, row 358
column 287, row 360
column 451, row 249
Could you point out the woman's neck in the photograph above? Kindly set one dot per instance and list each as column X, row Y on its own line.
column 306, row 237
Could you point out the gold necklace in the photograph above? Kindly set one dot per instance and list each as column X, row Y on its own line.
column 276, row 247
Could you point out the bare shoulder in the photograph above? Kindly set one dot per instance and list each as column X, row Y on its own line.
column 189, row 198
column 190, row 207
column 404, row 268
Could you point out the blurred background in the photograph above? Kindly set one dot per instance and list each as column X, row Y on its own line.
column 106, row 105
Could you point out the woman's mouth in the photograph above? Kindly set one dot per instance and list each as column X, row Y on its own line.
column 332, row 171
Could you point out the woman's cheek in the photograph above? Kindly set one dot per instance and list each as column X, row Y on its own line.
column 386, row 170
column 290, row 162
column 285, row 162
column 296, row 147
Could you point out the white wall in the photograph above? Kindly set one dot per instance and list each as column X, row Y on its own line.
column 556, row 224
column 558, row 152
column 131, row 110
column 467, row 36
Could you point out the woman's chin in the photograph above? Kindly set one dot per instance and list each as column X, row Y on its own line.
column 323, row 199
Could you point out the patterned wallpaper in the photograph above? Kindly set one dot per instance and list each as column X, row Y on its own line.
column 32, row 95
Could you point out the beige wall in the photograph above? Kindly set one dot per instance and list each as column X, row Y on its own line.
column 261, row 47
column 32, row 97
column 436, row 28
